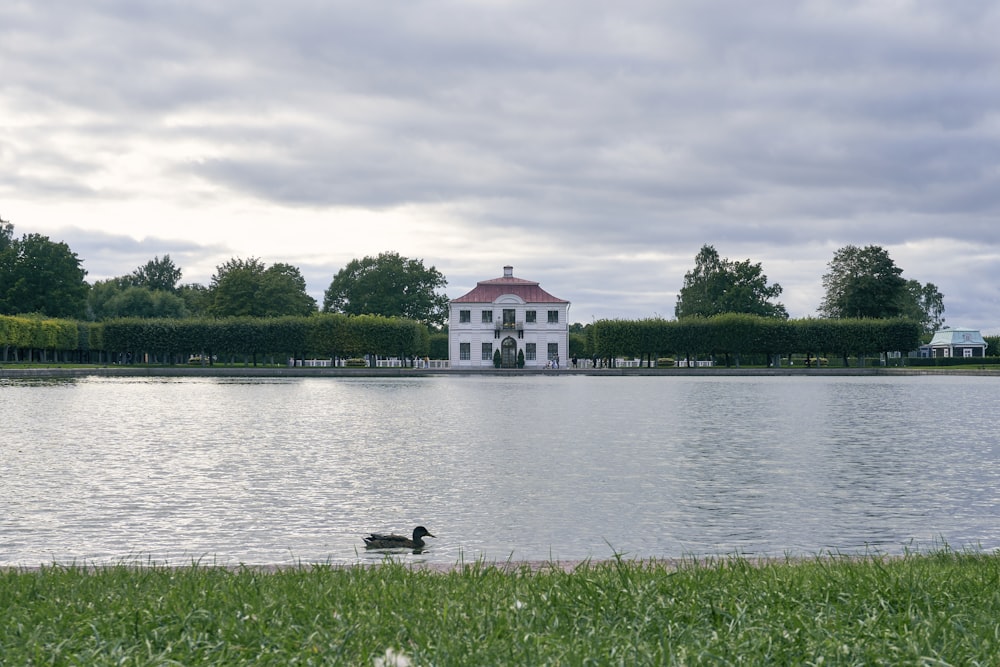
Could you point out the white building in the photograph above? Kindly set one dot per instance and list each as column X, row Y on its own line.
column 511, row 315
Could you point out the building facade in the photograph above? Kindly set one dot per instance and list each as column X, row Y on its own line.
column 955, row 343
column 512, row 316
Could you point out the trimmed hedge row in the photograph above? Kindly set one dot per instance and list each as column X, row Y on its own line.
column 26, row 338
column 335, row 335
column 322, row 335
column 955, row 361
column 736, row 334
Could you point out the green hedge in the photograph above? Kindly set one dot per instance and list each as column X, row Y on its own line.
column 954, row 361
column 335, row 335
column 25, row 336
column 438, row 346
column 992, row 346
column 173, row 340
column 737, row 335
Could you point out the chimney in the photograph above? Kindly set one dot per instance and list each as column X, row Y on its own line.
column 508, row 271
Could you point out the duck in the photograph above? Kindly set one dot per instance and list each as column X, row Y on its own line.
column 383, row 541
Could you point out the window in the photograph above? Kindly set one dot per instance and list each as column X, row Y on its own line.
column 487, row 316
column 508, row 318
column 967, row 352
column 487, row 352
column 529, row 352
column 529, row 316
column 553, row 317
column 553, row 351
column 465, row 351
column 465, row 316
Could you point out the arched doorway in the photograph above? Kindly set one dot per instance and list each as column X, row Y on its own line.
column 508, row 353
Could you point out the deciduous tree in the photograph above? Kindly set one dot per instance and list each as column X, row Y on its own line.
column 924, row 304
column 716, row 286
column 389, row 285
column 247, row 288
column 197, row 299
column 149, row 291
column 157, row 274
column 132, row 301
column 38, row 275
column 863, row 283
column 6, row 234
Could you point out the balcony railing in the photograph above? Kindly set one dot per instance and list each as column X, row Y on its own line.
column 499, row 327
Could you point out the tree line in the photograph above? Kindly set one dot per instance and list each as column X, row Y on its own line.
column 861, row 283
column 42, row 282
column 39, row 276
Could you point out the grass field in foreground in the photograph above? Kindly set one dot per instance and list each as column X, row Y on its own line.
column 932, row 609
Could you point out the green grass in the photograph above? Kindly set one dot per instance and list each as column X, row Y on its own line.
column 934, row 609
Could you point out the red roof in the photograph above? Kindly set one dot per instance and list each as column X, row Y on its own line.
column 488, row 291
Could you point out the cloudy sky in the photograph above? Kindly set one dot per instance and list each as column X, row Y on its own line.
column 595, row 146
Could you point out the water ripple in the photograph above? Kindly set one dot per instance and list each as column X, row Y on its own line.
column 285, row 471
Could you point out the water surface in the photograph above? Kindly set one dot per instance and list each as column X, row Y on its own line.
column 561, row 467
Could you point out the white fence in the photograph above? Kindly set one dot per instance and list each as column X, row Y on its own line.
column 379, row 363
column 313, row 363
column 639, row 363
column 438, row 364
column 405, row 363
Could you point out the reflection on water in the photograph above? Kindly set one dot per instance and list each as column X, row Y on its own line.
column 281, row 471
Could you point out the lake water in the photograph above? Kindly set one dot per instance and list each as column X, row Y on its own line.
column 266, row 471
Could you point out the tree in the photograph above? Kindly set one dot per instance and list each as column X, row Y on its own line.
column 234, row 287
column 246, row 288
column 197, row 299
column 716, row 286
column 157, row 274
column 40, row 276
column 283, row 292
column 101, row 293
column 149, row 291
column 6, row 234
column 389, row 285
column 863, row 283
column 145, row 303
column 924, row 304
column 7, row 257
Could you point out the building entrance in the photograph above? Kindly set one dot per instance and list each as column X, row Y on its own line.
column 508, row 353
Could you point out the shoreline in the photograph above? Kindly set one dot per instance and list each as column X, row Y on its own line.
column 299, row 372
column 509, row 567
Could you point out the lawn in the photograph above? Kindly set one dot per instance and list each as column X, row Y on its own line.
column 931, row 609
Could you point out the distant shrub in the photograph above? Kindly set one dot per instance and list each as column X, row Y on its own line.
column 953, row 361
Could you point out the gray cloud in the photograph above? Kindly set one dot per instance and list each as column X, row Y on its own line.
column 600, row 134
column 108, row 255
